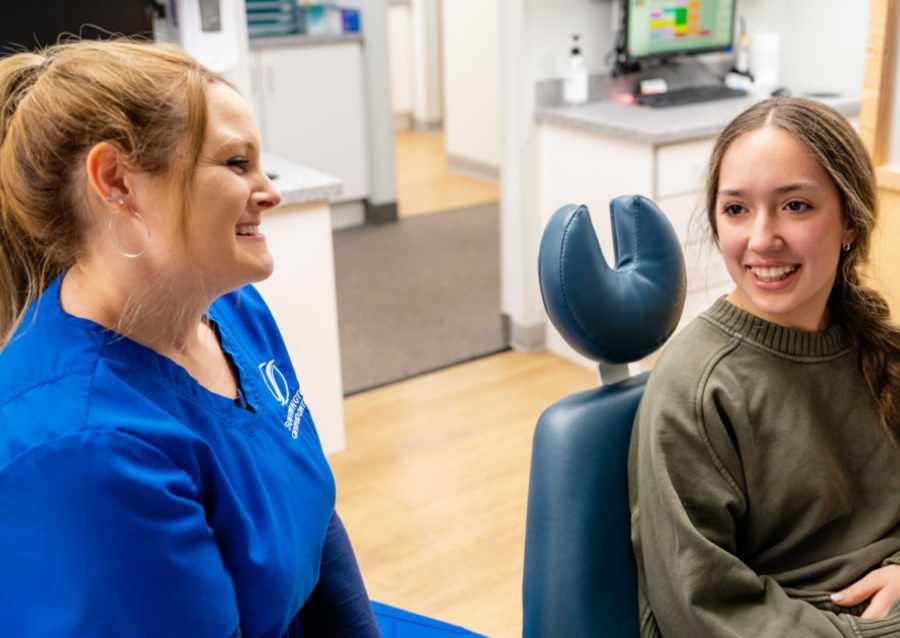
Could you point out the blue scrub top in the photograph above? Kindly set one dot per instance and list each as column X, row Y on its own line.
column 134, row 502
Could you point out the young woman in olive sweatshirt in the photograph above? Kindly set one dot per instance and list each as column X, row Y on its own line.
column 764, row 472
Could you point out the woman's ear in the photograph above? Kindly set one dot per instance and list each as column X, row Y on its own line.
column 105, row 169
column 849, row 236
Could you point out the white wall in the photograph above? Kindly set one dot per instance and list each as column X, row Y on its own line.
column 414, row 38
column 534, row 39
column 553, row 22
column 823, row 42
column 401, row 57
column 428, row 95
column 379, row 120
column 300, row 240
column 519, row 217
column 472, row 80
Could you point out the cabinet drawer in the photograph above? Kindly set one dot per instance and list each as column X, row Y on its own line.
column 688, row 216
column 681, row 168
column 705, row 267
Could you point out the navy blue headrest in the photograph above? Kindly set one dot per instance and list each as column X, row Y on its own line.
column 619, row 315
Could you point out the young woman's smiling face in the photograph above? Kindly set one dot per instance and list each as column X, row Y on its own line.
column 780, row 228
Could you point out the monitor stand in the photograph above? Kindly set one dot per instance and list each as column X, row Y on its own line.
column 683, row 71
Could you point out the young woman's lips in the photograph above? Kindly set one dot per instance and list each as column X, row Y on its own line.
column 773, row 277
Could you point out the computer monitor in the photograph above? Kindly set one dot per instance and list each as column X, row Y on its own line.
column 663, row 28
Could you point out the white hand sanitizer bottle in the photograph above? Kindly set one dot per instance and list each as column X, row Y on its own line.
column 575, row 87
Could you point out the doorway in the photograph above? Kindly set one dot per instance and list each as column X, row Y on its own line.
column 423, row 293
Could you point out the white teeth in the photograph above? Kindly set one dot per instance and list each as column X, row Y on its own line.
column 247, row 229
column 773, row 273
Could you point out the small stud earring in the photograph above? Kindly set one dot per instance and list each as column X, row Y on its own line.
column 847, row 247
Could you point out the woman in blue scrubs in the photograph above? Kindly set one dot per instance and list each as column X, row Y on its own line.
column 160, row 474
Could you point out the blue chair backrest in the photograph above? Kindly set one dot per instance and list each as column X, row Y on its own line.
column 580, row 577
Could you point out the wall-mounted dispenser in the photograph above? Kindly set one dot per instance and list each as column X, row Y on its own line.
column 207, row 29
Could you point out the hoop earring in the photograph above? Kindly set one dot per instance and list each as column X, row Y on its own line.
column 846, row 247
column 115, row 230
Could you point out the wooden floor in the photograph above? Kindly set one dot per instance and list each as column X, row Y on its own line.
column 434, row 483
column 425, row 183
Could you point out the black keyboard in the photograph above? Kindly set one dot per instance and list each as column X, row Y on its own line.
column 690, row 95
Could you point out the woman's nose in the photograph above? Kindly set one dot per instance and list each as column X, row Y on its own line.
column 268, row 196
column 765, row 235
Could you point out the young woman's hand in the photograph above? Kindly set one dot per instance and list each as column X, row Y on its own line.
column 882, row 585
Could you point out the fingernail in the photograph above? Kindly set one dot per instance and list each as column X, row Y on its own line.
column 836, row 597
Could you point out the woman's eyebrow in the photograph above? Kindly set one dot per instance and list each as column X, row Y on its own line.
column 797, row 186
column 781, row 190
column 237, row 142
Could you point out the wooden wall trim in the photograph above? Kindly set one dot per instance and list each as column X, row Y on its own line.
column 874, row 124
column 888, row 177
column 875, row 129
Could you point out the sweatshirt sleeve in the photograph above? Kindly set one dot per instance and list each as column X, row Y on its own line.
column 687, row 517
column 893, row 559
column 104, row 536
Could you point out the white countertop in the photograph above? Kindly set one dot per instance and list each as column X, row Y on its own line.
column 662, row 125
column 302, row 40
column 300, row 184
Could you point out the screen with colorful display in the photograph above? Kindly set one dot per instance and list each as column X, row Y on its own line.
column 668, row 27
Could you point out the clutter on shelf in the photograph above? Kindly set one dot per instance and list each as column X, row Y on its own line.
column 273, row 18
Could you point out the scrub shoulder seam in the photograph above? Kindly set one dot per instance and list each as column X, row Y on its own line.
column 71, row 373
column 94, row 433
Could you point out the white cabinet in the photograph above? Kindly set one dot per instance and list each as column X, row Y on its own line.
column 578, row 167
column 681, row 168
column 301, row 295
column 310, row 103
column 687, row 214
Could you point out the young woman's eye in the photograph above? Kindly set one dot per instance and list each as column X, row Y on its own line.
column 731, row 210
column 797, row 207
column 240, row 163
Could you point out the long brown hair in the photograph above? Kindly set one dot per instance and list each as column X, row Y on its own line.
column 862, row 312
column 55, row 104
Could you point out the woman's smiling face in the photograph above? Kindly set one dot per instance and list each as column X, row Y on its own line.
column 230, row 193
column 780, row 228
column 220, row 246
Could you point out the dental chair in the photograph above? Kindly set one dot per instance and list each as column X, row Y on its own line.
column 580, row 578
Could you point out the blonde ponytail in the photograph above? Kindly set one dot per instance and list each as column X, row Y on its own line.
column 24, row 267
column 149, row 100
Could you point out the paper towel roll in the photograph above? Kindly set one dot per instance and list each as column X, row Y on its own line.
column 765, row 57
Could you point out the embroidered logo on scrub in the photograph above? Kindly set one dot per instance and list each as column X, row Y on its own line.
column 275, row 381
column 278, row 386
column 295, row 414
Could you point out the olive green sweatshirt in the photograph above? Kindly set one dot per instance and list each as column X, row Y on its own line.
column 761, row 482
